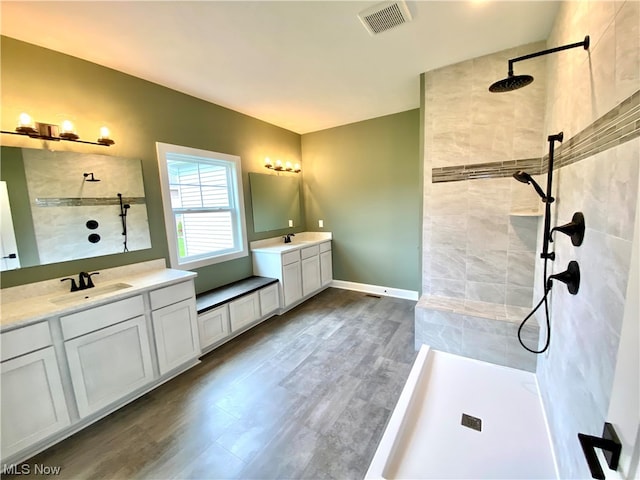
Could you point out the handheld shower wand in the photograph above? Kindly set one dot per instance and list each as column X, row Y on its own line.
column 524, row 177
column 572, row 276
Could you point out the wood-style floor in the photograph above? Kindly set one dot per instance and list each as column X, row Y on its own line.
column 303, row 395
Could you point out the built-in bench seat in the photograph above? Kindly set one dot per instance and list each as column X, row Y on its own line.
column 219, row 296
column 228, row 311
column 480, row 330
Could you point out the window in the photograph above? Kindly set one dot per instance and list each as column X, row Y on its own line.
column 203, row 206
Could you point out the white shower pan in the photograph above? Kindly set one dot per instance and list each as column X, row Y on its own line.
column 425, row 437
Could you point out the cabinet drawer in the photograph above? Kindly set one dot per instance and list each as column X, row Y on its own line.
column 325, row 247
column 269, row 299
column 96, row 318
column 310, row 251
column 24, row 340
column 171, row 294
column 290, row 257
column 244, row 311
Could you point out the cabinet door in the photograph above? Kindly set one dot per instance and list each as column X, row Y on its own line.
column 291, row 283
column 214, row 326
column 109, row 364
column 269, row 299
column 176, row 334
column 326, row 268
column 244, row 311
column 33, row 404
column 310, row 275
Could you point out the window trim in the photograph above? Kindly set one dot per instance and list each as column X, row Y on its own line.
column 169, row 217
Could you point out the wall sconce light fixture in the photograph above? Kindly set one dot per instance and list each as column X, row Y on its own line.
column 48, row 131
column 279, row 167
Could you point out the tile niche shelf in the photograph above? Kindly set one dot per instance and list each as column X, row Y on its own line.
column 529, row 212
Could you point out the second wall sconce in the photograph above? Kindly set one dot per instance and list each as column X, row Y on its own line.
column 279, row 167
column 48, row 131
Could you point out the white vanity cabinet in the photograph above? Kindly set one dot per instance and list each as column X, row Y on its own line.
column 108, row 353
column 32, row 397
column 69, row 359
column 303, row 269
column 175, row 325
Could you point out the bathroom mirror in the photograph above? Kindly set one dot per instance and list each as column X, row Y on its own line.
column 275, row 201
column 67, row 206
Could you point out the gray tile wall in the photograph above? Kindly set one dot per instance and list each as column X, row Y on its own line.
column 592, row 98
column 474, row 246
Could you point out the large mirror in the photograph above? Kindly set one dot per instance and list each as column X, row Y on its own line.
column 275, row 201
column 66, row 206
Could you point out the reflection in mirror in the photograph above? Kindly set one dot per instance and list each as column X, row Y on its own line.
column 275, row 201
column 67, row 206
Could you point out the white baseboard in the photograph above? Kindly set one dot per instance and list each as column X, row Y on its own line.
column 376, row 289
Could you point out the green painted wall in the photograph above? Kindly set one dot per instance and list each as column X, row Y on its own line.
column 51, row 87
column 364, row 181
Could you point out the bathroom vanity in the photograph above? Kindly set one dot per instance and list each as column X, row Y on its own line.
column 71, row 358
column 303, row 266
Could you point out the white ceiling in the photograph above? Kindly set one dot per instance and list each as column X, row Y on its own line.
column 301, row 65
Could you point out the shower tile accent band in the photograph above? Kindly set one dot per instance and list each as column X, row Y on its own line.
column 619, row 125
column 87, row 201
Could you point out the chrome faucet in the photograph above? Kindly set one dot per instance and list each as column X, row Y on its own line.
column 287, row 237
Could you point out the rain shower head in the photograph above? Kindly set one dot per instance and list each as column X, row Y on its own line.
column 524, row 177
column 514, row 82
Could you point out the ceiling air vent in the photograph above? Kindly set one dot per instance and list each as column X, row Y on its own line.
column 384, row 16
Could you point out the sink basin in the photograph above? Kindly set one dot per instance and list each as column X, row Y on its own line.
column 73, row 297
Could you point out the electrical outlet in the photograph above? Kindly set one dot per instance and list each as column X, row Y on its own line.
column 291, row 223
column 321, row 223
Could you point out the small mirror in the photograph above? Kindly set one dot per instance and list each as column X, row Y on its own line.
column 275, row 200
column 67, row 206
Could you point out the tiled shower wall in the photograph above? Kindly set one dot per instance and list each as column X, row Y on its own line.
column 474, row 247
column 576, row 374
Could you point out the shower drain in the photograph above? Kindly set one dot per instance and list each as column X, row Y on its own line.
column 471, row 422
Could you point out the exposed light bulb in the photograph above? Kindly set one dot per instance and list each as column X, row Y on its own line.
column 67, row 127
column 24, row 120
column 296, row 167
column 287, row 166
column 104, row 138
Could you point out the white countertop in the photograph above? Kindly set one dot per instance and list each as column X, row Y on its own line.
column 299, row 240
column 32, row 303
